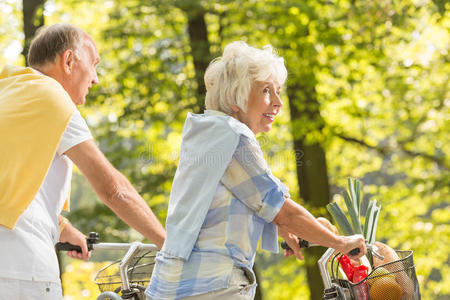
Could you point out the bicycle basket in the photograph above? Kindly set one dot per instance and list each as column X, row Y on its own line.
column 139, row 272
column 392, row 281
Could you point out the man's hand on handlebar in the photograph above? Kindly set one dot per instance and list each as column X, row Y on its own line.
column 73, row 236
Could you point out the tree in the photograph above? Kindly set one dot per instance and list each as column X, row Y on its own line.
column 199, row 44
column 33, row 18
column 350, row 43
column 369, row 79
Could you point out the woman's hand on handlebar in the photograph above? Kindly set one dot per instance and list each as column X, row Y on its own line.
column 352, row 242
column 292, row 241
column 73, row 236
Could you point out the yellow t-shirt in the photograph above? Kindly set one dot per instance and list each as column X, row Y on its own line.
column 34, row 112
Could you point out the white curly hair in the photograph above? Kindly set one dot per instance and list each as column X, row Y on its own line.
column 229, row 78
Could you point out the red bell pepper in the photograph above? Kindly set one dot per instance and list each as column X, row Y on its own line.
column 359, row 273
column 347, row 267
column 360, row 290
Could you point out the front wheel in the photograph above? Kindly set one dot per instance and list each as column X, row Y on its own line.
column 109, row 296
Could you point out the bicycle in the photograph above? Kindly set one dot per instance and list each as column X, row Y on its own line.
column 125, row 278
column 136, row 266
column 401, row 271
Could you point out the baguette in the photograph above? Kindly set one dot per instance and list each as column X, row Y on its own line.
column 401, row 277
column 328, row 225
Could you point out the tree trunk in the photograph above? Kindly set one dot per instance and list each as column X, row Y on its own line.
column 311, row 169
column 198, row 35
column 33, row 18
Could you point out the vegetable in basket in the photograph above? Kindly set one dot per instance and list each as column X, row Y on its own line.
column 379, row 273
column 385, row 288
column 359, row 274
column 346, row 266
column 355, row 211
column 397, row 286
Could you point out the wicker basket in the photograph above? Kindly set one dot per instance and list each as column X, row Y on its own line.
column 397, row 281
column 139, row 272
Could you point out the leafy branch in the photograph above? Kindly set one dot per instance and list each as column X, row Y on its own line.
column 385, row 150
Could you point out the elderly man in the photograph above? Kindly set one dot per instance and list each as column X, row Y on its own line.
column 42, row 133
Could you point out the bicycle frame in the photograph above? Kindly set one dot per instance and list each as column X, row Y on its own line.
column 331, row 290
column 323, row 261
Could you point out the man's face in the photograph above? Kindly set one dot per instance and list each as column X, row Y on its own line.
column 83, row 73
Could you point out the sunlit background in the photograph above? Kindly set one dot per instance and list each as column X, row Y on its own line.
column 369, row 81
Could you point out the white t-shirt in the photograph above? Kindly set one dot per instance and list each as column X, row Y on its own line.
column 27, row 251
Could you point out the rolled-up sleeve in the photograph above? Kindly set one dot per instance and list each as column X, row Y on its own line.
column 250, row 180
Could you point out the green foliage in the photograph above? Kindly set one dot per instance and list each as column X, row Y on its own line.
column 378, row 70
column 11, row 34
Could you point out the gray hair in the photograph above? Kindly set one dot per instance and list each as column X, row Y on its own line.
column 229, row 78
column 51, row 41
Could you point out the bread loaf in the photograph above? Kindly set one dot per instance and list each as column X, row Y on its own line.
column 406, row 283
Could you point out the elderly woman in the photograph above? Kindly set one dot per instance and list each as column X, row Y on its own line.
column 224, row 197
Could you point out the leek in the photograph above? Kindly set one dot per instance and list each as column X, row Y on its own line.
column 340, row 219
column 355, row 209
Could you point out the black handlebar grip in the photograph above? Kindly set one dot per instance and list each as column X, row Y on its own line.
column 354, row 251
column 302, row 243
column 67, row 247
column 92, row 239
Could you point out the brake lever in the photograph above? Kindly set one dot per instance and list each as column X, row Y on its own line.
column 374, row 250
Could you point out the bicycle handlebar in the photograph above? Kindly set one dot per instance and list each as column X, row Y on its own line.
column 132, row 250
column 93, row 244
column 90, row 241
column 305, row 244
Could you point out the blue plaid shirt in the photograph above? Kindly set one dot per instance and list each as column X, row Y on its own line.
column 246, row 200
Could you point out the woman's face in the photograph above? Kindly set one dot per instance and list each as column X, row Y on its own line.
column 264, row 103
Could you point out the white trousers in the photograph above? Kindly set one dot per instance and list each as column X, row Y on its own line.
column 13, row 289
